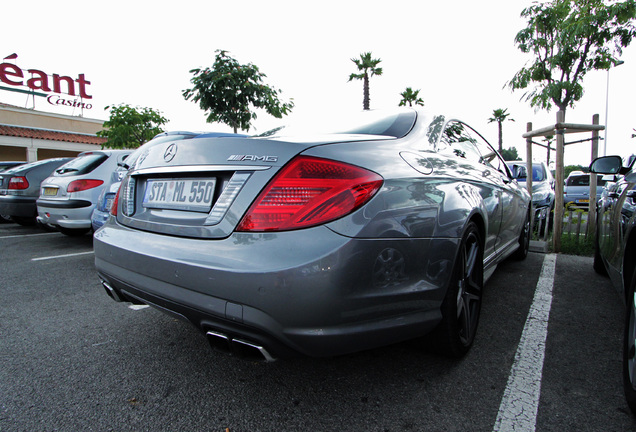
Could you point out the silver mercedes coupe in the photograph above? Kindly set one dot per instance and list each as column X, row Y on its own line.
column 321, row 240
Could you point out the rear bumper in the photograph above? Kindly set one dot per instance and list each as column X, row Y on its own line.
column 19, row 206
column 311, row 292
column 72, row 214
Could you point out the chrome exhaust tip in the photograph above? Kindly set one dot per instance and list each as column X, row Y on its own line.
column 251, row 351
column 219, row 342
column 111, row 292
column 238, row 347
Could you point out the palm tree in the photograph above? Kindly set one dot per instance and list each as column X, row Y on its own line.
column 499, row 115
column 411, row 97
column 368, row 68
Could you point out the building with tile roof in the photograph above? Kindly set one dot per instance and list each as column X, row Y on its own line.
column 29, row 135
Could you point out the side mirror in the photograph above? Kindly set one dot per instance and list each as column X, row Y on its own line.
column 607, row 165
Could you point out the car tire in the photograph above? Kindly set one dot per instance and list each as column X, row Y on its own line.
column 74, row 232
column 629, row 348
column 5, row 218
column 462, row 305
column 524, row 241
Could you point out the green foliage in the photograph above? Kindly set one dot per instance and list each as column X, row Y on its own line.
column 229, row 92
column 367, row 67
column 509, row 154
column 569, row 168
column 568, row 39
column 129, row 127
column 411, row 97
column 500, row 115
column 572, row 244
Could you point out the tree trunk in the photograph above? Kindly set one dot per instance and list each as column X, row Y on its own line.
column 367, row 100
column 500, row 136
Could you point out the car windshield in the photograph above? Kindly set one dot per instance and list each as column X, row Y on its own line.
column 81, row 165
column 395, row 124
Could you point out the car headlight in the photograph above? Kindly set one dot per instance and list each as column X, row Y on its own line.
column 540, row 195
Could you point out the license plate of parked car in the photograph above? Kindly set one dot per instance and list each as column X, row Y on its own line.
column 50, row 191
column 180, row 194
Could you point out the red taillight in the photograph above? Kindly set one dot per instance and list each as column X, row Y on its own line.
column 113, row 207
column 310, row 191
column 81, row 185
column 18, row 183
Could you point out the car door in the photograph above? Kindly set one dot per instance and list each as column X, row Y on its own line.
column 460, row 142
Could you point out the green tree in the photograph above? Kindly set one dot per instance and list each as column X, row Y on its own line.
column 411, row 97
column 230, row 92
column 509, row 154
column 568, row 39
column 500, row 115
column 367, row 68
column 129, row 127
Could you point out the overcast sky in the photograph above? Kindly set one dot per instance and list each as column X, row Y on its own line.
column 459, row 53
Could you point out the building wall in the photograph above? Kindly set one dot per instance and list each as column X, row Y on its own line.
column 29, row 149
column 17, row 116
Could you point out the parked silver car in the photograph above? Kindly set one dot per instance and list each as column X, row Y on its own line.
column 576, row 192
column 104, row 202
column 542, row 186
column 320, row 243
column 69, row 195
column 615, row 253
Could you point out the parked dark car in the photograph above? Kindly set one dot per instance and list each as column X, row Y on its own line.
column 5, row 165
column 319, row 242
column 20, row 188
column 615, row 253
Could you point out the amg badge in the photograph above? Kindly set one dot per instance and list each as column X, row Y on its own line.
column 253, row 158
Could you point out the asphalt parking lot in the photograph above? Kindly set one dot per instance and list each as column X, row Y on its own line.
column 71, row 359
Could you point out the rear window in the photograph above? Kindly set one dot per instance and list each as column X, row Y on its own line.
column 394, row 123
column 584, row 180
column 81, row 165
column 28, row 166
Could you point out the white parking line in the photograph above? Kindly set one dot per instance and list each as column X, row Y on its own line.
column 28, row 235
column 61, row 256
column 520, row 401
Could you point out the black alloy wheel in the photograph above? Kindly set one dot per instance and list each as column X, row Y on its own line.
column 462, row 304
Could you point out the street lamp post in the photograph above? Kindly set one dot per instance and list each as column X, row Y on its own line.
column 618, row 63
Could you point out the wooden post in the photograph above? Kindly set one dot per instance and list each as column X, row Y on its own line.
column 591, row 216
column 558, row 188
column 529, row 174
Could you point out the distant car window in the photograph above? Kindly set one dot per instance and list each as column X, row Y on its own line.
column 81, row 165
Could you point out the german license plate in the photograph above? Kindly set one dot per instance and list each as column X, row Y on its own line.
column 180, row 194
column 50, row 191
